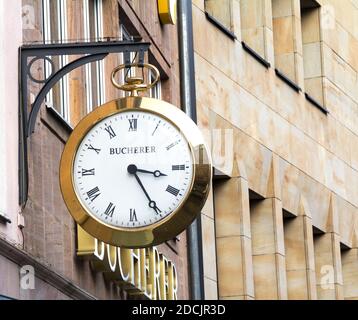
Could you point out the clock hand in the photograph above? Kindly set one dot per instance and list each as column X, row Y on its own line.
column 152, row 204
column 155, row 173
column 132, row 169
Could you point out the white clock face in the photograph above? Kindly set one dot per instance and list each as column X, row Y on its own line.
column 133, row 169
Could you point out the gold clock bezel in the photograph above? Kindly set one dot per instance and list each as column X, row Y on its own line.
column 169, row 226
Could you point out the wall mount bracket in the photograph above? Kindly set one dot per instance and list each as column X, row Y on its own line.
column 28, row 55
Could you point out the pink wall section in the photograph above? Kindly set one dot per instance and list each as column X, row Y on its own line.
column 10, row 41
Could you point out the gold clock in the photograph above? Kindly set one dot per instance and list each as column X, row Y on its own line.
column 135, row 172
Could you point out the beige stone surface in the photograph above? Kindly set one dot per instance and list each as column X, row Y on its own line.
column 300, row 288
column 285, row 150
column 208, row 208
column 281, row 8
column 209, row 247
column 268, row 249
column 350, row 270
column 312, row 60
column 311, row 33
column 267, row 227
column 211, row 289
column 233, row 238
column 283, row 35
column 300, row 260
column 232, row 212
column 286, row 64
column 230, row 262
column 328, row 266
column 199, row 3
column 221, row 11
column 269, row 282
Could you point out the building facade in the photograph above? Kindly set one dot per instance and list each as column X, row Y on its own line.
column 44, row 254
column 276, row 94
column 276, row 99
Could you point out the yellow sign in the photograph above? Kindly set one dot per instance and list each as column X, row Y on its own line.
column 167, row 11
column 140, row 272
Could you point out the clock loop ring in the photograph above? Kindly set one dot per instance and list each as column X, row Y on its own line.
column 135, row 84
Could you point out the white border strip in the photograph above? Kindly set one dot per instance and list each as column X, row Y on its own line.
column 101, row 84
column 87, row 36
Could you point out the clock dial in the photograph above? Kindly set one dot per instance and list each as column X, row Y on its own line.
column 133, row 169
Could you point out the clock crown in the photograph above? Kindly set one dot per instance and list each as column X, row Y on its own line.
column 135, row 84
column 134, row 80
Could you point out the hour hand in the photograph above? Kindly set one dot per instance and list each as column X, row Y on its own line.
column 155, row 173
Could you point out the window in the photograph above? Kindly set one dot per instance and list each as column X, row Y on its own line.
column 287, row 39
column 156, row 91
column 126, row 36
column 256, row 26
column 79, row 92
column 55, row 30
column 312, row 50
column 93, row 30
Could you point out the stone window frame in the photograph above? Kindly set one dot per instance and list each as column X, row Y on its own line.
column 229, row 30
column 287, row 44
column 312, row 10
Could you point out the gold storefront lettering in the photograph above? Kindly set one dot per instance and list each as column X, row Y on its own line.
column 140, row 272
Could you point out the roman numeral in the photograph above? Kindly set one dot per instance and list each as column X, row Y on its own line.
column 93, row 194
column 111, row 132
column 133, row 124
column 90, row 172
column 178, row 167
column 90, row 147
column 110, row 210
column 172, row 190
column 132, row 216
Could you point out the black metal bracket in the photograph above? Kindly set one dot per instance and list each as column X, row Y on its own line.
column 28, row 55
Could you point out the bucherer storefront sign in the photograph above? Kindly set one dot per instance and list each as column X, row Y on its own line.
column 140, row 272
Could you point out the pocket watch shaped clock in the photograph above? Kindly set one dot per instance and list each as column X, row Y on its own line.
column 135, row 172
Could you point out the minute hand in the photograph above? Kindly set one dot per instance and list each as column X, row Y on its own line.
column 141, row 185
column 152, row 203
